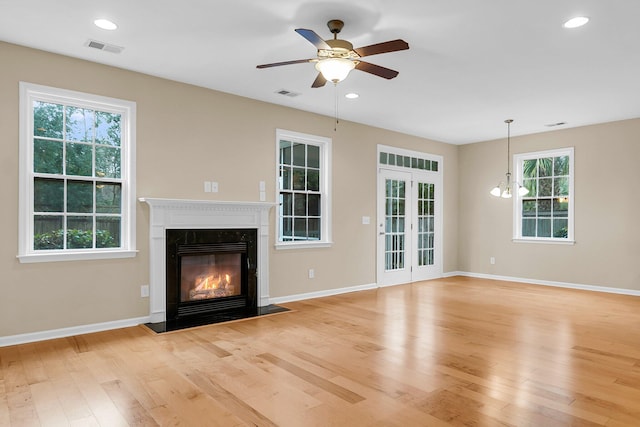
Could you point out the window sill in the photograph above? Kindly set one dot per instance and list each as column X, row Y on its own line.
column 75, row 256
column 302, row 245
column 546, row 241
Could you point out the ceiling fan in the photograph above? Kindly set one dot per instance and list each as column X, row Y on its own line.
column 336, row 58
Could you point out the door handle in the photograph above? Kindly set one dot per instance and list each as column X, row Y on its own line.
column 382, row 233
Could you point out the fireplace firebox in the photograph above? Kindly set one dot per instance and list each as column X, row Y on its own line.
column 210, row 272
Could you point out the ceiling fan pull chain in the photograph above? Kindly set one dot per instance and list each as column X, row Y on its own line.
column 335, row 93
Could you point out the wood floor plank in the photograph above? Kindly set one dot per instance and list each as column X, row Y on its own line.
column 311, row 378
column 448, row 352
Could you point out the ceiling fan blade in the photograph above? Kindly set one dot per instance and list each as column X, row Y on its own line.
column 319, row 81
column 277, row 64
column 376, row 70
column 314, row 38
column 384, row 47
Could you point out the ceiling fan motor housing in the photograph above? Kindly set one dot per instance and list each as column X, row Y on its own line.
column 339, row 49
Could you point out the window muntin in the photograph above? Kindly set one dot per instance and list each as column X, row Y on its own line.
column 546, row 212
column 303, row 214
column 77, row 154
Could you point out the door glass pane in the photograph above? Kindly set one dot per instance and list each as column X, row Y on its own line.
column 395, row 220
column 426, row 215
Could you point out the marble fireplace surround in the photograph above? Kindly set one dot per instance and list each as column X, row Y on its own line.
column 205, row 214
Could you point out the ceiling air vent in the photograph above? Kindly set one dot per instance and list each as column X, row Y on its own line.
column 287, row 93
column 104, row 46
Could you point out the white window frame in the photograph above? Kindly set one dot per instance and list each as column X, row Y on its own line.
column 29, row 93
column 518, row 160
column 325, row 189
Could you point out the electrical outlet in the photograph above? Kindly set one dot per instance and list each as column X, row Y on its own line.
column 312, row 273
column 144, row 291
column 366, row 220
column 492, row 260
column 214, row 187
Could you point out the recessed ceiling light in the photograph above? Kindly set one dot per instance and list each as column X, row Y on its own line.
column 105, row 24
column 352, row 95
column 576, row 22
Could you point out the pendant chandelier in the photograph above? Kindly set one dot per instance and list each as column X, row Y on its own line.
column 504, row 188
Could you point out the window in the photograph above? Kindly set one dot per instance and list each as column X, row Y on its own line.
column 546, row 212
column 77, row 196
column 303, row 183
column 412, row 162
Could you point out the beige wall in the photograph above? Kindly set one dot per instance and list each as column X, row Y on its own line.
column 186, row 135
column 607, row 229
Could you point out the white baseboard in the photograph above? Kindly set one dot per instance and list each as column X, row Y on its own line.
column 320, row 294
column 67, row 332
column 605, row 289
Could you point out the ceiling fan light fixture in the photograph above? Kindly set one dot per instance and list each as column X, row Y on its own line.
column 335, row 69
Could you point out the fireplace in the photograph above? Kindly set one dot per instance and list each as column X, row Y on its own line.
column 191, row 221
column 210, row 271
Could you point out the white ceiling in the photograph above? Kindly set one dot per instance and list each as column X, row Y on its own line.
column 471, row 64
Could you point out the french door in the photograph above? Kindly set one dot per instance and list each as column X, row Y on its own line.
column 409, row 218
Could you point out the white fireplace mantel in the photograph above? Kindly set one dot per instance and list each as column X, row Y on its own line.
column 204, row 214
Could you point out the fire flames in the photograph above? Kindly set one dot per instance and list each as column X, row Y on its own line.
column 212, row 286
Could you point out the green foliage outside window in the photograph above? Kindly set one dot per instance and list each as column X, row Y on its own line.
column 75, row 239
column 545, row 209
column 77, row 170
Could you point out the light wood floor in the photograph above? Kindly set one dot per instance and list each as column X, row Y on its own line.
column 456, row 351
